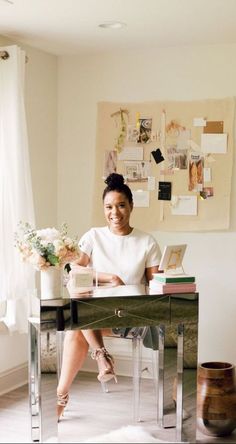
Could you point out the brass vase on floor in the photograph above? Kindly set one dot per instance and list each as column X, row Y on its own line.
column 216, row 398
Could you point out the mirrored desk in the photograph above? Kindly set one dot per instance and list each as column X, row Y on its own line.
column 124, row 306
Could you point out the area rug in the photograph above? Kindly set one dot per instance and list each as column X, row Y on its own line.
column 126, row 434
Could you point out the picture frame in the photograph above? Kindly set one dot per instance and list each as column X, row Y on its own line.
column 172, row 257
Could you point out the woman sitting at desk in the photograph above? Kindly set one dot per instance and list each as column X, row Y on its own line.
column 121, row 255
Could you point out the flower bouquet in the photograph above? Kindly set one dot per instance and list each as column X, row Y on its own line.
column 47, row 247
column 49, row 250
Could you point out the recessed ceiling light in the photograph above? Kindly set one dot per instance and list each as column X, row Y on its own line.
column 112, row 25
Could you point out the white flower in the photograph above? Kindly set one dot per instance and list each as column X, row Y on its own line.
column 69, row 242
column 46, row 247
column 48, row 234
column 58, row 245
column 37, row 261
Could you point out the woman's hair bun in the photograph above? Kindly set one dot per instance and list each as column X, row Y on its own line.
column 114, row 180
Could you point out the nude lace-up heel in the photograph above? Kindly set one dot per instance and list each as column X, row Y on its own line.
column 105, row 364
column 62, row 400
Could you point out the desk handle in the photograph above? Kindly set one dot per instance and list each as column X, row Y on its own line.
column 120, row 312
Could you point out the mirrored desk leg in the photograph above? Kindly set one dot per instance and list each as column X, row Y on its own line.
column 137, row 359
column 47, row 399
column 155, row 367
column 180, row 365
column 59, row 346
column 33, row 382
column 160, row 405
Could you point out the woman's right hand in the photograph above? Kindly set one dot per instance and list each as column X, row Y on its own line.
column 108, row 278
column 115, row 281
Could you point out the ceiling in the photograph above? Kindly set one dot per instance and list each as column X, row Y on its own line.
column 66, row 27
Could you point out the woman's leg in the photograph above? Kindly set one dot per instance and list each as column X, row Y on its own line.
column 94, row 338
column 104, row 359
column 75, row 350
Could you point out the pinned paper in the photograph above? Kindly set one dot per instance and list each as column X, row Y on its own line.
column 207, row 192
column 166, row 172
column 164, row 190
column 182, row 139
column 131, row 153
column 184, row 206
column 157, row 155
column 136, row 171
column 110, row 162
column 177, row 159
column 145, row 130
column 214, row 127
column 209, row 158
column 163, row 129
column 151, row 183
column 207, row 174
column 137, row 120
column 196, row 165
column 199, row 121
column 141, row 198
column 194, row 146
column 214, row 143
column 132, row 133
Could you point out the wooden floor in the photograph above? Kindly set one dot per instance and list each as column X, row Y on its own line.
column 91, row 412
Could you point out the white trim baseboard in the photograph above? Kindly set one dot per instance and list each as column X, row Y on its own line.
column 13, row 378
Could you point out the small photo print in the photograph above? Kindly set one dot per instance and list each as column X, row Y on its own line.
column 110, row 162
column 177, row 159
column 145, row 130
column 207, row 192
column 164, row 190
column 137, row 171
column 196, row 167
column 132, row 133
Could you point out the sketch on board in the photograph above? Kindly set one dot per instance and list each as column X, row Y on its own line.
column 137, row 171
column 176, row 158
column 132, row 133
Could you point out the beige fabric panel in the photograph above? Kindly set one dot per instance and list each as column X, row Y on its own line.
column 213, row 213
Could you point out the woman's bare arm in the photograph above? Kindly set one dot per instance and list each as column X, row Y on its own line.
column 108, row 278
column 102, row 278
column 149, row 272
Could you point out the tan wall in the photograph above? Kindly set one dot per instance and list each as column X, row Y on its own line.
column 187, row 73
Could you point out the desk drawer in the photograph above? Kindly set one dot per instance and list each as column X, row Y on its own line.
column 114, row 312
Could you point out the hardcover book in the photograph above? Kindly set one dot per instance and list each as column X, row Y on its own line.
column 182, row 287
column 173, row 278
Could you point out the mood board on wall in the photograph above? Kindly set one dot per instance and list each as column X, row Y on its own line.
column 177, row 158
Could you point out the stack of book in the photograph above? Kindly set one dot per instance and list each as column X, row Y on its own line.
column 172, row 283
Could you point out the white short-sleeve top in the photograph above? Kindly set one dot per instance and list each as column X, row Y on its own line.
column 125, row 256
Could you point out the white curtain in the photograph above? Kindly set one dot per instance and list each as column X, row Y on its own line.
column 16, row 197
